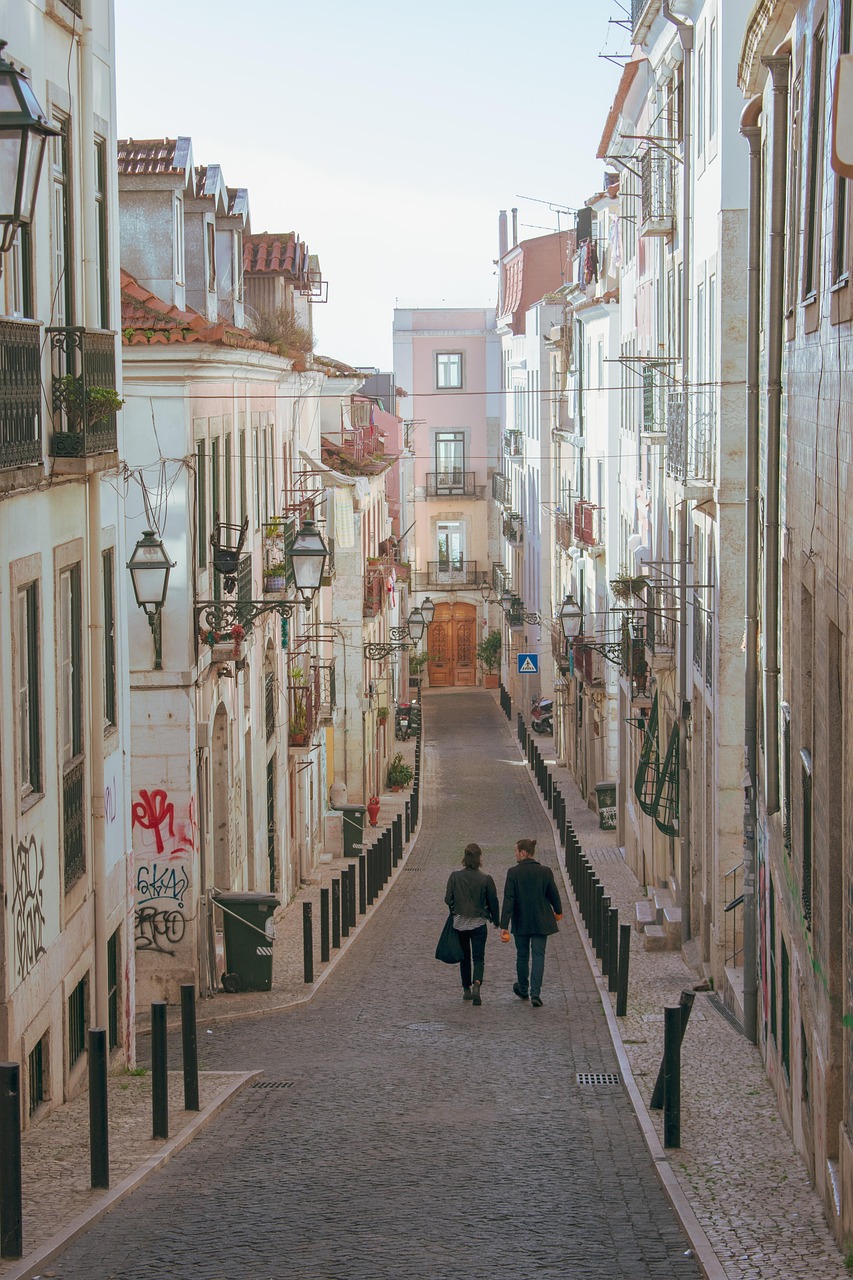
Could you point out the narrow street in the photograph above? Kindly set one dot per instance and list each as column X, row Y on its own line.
column 402, row 1132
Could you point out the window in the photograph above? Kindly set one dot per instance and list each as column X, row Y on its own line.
column 201, row 503
column 449, row 461
column 785, row 1000
column 77, row 1021
column 451, row 546
column 70, row 666
column 17, row 277
column 814, row 176
column 448, row 369
column 29, row 696
column 786, row 775
column 110, row 699
column 806, row 773
column 63, row 282
column 794, row 195
column 226, row 467
column 215, row 508
column 101, row 264
column 37, row 1070
column 712, row 80
column 700, row 100
column 841, row 203
column 244, row 500
column 772, row 953
column 112, row 990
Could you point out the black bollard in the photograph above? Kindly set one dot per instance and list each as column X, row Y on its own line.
column 336, row 913
column 189, row 1047
column 408, row 821
column 362, row 883
column 344, row 903
column 622, row 978
column 685, row 1004
column 99, row 1130
column 613, row 949
column 672, row 1076
column 353, row 896
column 325, row 910
column 11, row 1201
column 307, row 942
column 604, row 934
column 371, row 873
column 159, row 1070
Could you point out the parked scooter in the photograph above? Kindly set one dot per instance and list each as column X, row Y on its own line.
column 403, row 721
column 542, row 715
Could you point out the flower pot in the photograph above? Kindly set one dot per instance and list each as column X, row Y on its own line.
column 491, row 680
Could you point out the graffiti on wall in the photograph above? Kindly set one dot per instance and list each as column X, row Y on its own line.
column 162, row 876
column 28, row 903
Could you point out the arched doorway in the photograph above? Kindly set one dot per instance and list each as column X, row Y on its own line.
column 452, row 646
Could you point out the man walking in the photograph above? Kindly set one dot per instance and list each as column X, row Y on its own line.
column 532, row 906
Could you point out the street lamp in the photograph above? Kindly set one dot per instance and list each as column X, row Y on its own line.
column 24, row 131
column 149, row 572
column 308, row 557
column 571, row 617
column 428, row 610
column 416, row 624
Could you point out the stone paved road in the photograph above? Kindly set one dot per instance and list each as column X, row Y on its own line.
column 416, row 1136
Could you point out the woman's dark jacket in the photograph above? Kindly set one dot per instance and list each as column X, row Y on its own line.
column 472, row 894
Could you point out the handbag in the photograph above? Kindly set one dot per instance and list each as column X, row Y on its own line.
column 449, row 947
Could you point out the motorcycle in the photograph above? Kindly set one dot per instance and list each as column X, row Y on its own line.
column 403, row 721
column 542, row 715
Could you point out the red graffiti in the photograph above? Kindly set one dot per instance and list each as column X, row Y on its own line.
column 151, row 811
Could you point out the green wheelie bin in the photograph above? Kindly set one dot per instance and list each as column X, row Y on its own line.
column 249, row 933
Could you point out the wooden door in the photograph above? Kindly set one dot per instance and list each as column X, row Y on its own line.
column 452, row 644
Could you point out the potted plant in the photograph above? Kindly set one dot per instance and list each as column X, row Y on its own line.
column 400, row 774
column 275, row 577
column 489, row 654
column 417, row 663
column 98, row 403
column 382, row 714
column 297, row 731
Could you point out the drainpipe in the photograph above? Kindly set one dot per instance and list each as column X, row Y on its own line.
column 685, row 36
column 91, row 311
column 779, row 67
column 751, row 131
column 514, row 228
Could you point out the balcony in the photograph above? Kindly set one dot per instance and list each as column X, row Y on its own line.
column 514, row 444
column 501, row 489
column 691, row 438
column 657, row 193
column 74, row 822
column 457, row 484
column 375, row 593
column 642, row 12
column 588, row 524
column 303, row 703
column 588, row 665
column 563, row 531
column 84, row 400
column 559, row 647
column 20, row 393
column 660, row 623
column 501, row 579
column 327, row 690
column 513, row 528
column 450, row 575
column 279, row 535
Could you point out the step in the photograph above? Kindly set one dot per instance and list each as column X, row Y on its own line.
column 654, row 938
column 672, row 927
column 644, row 915
column 662, row 899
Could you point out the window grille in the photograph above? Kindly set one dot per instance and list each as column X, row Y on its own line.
column 112, row 990
column 36, row 1064
column 77, row 1018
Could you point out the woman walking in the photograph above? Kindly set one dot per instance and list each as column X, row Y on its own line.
column 473, row 900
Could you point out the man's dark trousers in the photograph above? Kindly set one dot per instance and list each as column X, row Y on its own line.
column 525, row 944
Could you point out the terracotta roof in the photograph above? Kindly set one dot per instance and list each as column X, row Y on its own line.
column 154, row 155
column 335, row 368
column 513, row 279
column 629, row 72
column 147, row 320
column 275, row 254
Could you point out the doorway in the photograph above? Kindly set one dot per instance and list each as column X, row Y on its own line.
column 451, row 644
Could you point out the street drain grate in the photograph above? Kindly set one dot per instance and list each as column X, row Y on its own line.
column 273, row 1084
column 598, row 1077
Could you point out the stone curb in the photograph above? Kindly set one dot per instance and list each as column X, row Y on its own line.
column 30, row 1266
column 710, row 1264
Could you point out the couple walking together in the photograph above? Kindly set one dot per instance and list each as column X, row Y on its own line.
column 531, row 907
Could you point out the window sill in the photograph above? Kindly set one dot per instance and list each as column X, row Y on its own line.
column 842, row 283
column 30, row 800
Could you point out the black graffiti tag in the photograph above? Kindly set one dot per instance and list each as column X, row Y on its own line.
column 158, row 930
column 28, row 903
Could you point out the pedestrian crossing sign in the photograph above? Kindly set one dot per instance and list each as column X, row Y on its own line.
column 528, row 664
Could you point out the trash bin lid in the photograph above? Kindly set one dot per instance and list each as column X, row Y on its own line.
column 235, row 896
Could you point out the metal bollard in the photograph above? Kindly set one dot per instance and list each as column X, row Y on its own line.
column 344, row 903
column 99, row 1130
column 408, row 814
column 324, row 926
column 189, row 1047
column 11, row 1200
column 336, row 914
column 622, row 977
column 672, row 1076
column 613, row 949
column 362, row 884
column 307, row 942
column 353, row 895
column 604, row 934
column 685, row 1004
column 159, row 1070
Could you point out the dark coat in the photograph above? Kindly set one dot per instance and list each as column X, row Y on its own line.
column 472, row 894
column 531, row 899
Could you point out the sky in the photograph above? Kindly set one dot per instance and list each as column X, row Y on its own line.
column 389, row 134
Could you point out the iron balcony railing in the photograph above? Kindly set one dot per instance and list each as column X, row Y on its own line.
column 20, row 393
column 657, row 193
column 733, row 917
column 660, row 616
column 304, row 703
column 638, row 8
column 450, row 575
column 513, row 443
column 513, row 528
column 74, row 822
column 461, row 484
column 588, row 524
column 374, row 592
column 328, row 699
column 501, row 578
column 691, row 438
column 563, row 530
column 84, row 374
column 501, row 489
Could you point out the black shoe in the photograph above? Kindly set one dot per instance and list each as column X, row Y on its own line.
column 476, row 992
column 536, row 1001
column 522, row 995
column 467, row 993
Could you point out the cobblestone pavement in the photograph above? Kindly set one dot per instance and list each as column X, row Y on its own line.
column 402, row 1132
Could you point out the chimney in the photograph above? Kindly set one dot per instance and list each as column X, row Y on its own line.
column 502, row 240
column 514, row 228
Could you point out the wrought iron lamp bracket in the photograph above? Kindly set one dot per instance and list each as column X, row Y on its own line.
column 222, row 615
